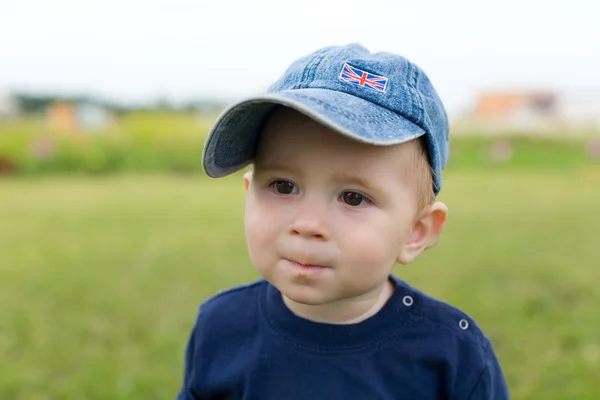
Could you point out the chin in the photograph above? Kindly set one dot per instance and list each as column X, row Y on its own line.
column 305, row 295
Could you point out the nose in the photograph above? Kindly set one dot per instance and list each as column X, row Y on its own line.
column 310, row 223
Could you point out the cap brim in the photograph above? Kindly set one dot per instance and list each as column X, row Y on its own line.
column 231, row 143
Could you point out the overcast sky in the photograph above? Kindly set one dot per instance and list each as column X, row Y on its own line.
column 133, row 50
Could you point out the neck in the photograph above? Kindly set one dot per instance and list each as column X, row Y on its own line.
column 345, row 311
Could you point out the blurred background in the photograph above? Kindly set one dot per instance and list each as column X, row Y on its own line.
column 111, row 236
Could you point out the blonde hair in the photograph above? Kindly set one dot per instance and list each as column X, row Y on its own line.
column 423, row 175
column 423, row 181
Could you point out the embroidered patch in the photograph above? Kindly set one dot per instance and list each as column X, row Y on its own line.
column 362, row 78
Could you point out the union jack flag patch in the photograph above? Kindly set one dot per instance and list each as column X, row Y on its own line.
column 359, row 77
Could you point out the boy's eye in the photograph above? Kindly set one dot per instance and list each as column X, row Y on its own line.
column 354, row 199
column 284, row 187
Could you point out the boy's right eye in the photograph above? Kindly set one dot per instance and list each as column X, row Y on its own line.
column 284, row 187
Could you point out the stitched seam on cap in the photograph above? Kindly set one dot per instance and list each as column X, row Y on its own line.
column 415, row 93
column 310, row 74
column 370, row 118
column 304, row 80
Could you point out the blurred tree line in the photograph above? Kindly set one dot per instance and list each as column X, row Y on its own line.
column 38, row 103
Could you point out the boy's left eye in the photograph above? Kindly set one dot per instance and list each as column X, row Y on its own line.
column 354, row 199
column 284, row 187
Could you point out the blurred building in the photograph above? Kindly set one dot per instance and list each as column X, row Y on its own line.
column 580, row 109
column 9, row 106
column 66, row 116
column 61, row 116
column 533, row 112
column 516, row 109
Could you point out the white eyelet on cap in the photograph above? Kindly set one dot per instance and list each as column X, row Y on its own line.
column 464, row 324
column 408, row 301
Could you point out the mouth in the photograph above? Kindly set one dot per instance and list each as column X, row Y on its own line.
column 306, row 266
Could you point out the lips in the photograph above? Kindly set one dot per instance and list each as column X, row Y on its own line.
column 306, row 265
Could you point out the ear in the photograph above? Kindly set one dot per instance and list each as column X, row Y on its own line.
column 247, row 179
column 424, row 231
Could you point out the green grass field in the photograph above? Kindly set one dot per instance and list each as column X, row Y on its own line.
column 100, row 278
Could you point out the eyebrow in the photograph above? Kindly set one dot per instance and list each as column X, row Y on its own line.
column 345, row 177
column 272, row 167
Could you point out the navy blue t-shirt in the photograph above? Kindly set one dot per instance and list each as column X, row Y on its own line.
column 246, row 344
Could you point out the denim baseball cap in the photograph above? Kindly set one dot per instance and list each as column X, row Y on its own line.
column 375, row 98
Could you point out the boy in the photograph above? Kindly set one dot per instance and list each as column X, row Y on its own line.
column 347, row 149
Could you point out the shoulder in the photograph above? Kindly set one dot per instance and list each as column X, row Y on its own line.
column 235, row 301
column 229, row 311
column 233, row 295
column 452, row 339
column 445, row 319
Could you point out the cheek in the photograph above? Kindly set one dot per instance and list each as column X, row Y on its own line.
column 375, row 245
column 260, row 233
column 254, row 234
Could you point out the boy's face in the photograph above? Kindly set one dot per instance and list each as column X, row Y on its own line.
column 327, row 217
